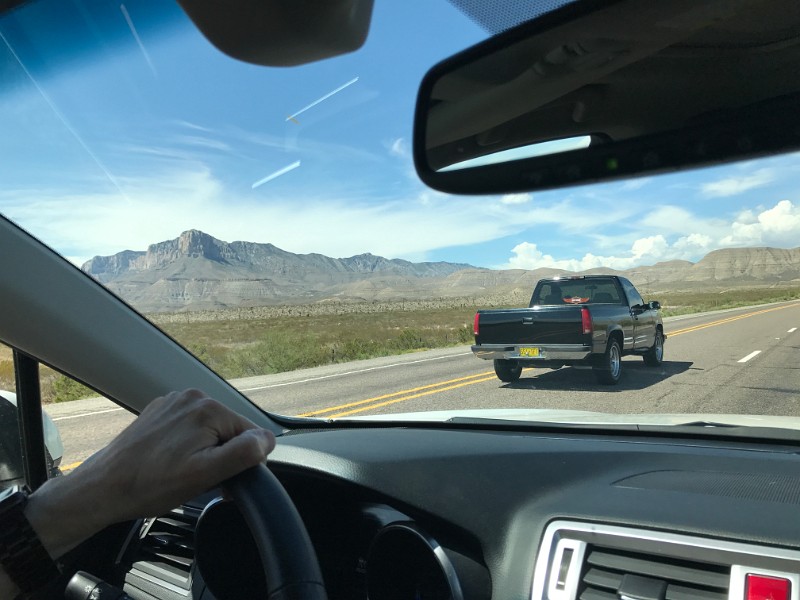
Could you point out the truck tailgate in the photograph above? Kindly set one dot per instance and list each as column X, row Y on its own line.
column 541, row 325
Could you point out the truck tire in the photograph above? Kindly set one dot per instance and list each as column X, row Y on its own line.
column 609, row 369
column 655, row 355
column 507, row 370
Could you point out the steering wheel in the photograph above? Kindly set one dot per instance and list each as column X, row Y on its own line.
column 287, row 557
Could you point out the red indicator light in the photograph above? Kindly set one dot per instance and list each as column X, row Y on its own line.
column 761, row 587
column 475, row 323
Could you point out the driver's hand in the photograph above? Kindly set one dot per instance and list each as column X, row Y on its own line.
column 181, row 445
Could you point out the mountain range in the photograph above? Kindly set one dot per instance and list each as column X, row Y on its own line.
column 196, row 271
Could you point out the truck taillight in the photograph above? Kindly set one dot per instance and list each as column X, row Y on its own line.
column 475, row 323
column 586, row 320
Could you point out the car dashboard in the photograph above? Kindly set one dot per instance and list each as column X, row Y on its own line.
column 471, row 513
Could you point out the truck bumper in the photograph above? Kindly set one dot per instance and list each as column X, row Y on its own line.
column 543, row 352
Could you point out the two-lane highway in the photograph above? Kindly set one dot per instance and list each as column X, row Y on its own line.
column 742, row 361
column 702, row 372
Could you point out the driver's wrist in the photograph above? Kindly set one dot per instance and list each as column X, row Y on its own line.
column 64, row 512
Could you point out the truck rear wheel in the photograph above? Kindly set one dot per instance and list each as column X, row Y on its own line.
column 507, row 370
column 609, row 369
column 655, row 355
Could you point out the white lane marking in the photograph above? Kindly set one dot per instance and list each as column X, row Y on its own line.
column 87, row 414
column 792, row 330
column 399, row 364
column 749, row 356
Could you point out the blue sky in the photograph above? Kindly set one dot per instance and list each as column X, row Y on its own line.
column 166, row 134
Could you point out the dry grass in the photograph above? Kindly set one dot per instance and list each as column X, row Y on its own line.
column 237, row 348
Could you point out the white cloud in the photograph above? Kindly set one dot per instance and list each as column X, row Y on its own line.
column 528, row 256
column 693, row 245
column 668, row 219
column 778, row 226
column 516, row 198
column 732, row 186
column 635, row 184
column 399, row 147
column 643, row 251
column 201, row 141
column 649, row 247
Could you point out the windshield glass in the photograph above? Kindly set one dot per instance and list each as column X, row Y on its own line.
column 271, row 221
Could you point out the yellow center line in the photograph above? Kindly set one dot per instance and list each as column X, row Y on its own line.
column 71, row 466
column 728, row 320
column 384, row 396
column 411, row 397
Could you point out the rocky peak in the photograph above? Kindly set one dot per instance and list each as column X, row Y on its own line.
column 368, row 263
column 190, row 244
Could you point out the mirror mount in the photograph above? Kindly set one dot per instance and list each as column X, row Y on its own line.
column 281, row 33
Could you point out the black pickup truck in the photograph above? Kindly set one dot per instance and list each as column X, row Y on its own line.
column 589, row 321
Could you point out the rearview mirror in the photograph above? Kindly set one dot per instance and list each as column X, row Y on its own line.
column 602, row 90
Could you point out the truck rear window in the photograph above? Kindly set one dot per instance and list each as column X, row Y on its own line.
column 577, row 291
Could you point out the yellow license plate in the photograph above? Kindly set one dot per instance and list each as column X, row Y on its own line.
column 529, row 352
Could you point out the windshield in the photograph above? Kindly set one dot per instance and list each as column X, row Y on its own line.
column 271, row 221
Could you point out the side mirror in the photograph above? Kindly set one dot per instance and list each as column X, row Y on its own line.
column 654, row 305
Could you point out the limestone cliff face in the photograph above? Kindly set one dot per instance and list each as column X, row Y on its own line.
column 105, row 268
column 196, row 271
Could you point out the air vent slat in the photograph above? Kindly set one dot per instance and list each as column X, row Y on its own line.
column 167, row 548
column 592, row 594
column 171, row 540
column 182, row 562
column 163, row 572
column 603, row 579
column 679, row 592
column 183, row 525
column 659, row 567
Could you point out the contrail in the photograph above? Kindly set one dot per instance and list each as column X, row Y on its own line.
column 325, row 97
column 276, row 174
column 135, row 33
column 63, row 119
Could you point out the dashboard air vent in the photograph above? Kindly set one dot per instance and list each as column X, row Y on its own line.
column 166, row 552
column 609, row 573
column 594, row 561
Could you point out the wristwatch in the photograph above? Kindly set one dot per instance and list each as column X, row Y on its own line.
column 22, row 555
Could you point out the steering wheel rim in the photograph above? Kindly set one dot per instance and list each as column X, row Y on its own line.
column 287, row 555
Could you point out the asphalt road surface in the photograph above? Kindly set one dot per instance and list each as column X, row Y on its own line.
column 744, row 361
